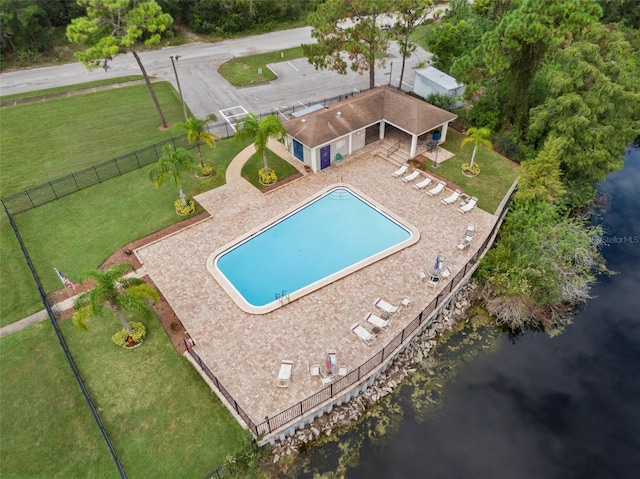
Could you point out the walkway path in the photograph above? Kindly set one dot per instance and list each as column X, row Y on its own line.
column 233, row 173
column 57, row 308
column 234, row 170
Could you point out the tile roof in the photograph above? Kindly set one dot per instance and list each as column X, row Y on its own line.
column 401, row 110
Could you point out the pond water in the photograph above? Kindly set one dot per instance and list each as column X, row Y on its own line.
column 532, row 406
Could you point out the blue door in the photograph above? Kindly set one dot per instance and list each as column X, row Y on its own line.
column 297, row 150
column 325, row 157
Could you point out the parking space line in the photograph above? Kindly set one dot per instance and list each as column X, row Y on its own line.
column 233, row 115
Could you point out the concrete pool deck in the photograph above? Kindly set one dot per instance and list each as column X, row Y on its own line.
column 244, row 350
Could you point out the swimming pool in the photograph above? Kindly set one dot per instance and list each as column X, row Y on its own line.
column 319, row 241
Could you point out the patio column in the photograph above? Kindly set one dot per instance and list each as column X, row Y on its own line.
column 314, row 164
column 443, row 137
column 381, row 136
column 350, row 142
column 414, row 146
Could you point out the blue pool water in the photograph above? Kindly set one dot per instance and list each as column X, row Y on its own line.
column 335, row 231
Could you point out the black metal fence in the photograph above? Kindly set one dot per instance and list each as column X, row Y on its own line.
column 334, row 389
column 55, row 189
column 65, row 348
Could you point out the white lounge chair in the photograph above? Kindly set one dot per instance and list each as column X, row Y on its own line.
column 437, row 189
column 432, row 283
column 400, row 171
column 468, row 206
column 314, row 370
column 422, row 184
column 411, row 176
column 386, row 307
column 452, row 198
column 471, row 231
column 377, row 321
column 464, row 244
column 363, row 334
column 284, row 375
column 326, row 380
column 343, row 370
column 422, row 275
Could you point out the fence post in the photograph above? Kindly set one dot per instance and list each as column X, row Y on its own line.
column 266, row 419
column 97, row 174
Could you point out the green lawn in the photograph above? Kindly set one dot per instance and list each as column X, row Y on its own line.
column 282, row 168
column 162, row 418
column 46, row 428
column 48, row 140
column 70, row 88
column 497, row 173
column 244, row 71
column 81, row 230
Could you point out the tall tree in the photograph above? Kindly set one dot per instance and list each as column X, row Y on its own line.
column 540, row 177
column 197, row 134
column 260, row 131
column 119, row 292
column 593, row 105
column 24, row 27
column 480, row 138
column 516, row 49
column 113, row 27
column 409, row 14
column 351, row 26
column 170, row 167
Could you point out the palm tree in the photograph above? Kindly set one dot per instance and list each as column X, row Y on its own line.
column 479, row 137
column 170, row 167
column 260, row 130
column 197, row 133
column 119, row 292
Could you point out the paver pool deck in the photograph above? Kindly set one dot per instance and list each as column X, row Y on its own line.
column 244, row 350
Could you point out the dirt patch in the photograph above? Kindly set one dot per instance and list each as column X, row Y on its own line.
column 170, row 322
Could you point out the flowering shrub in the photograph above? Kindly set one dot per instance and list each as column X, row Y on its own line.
column 206, row 170
column 138, row 332
column 474, row 170
column 183, row 209
column 267, row 177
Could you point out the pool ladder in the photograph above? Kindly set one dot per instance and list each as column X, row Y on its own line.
column 283, row 297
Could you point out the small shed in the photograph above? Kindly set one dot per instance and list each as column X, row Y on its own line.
column 430, row 80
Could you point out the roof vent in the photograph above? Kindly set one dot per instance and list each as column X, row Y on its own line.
column 339, row 114
column 304, row 120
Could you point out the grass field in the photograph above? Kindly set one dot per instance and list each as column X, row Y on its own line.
column 48, row 140
column 244, row 71
column 80, row 231
column 46, row 427
column 282, row 168
column 160, row 415
column 496, row 175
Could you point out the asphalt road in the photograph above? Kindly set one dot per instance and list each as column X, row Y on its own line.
column 206, row 92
